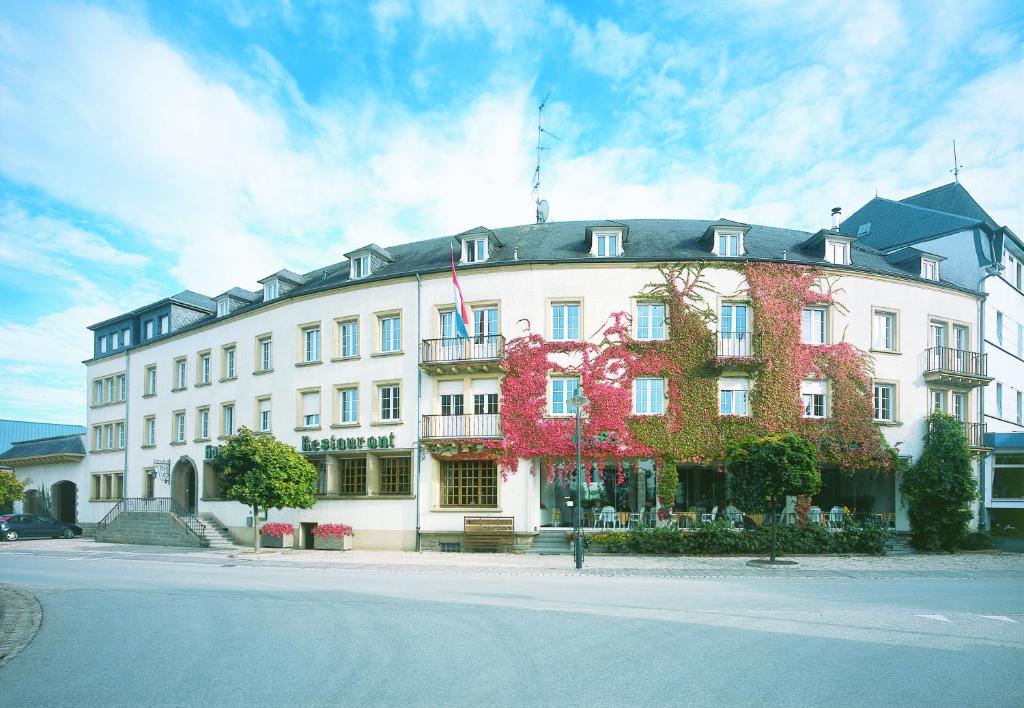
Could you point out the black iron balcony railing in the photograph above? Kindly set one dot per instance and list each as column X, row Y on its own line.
column 453, row 350
column 480, row 425
column 955, row 361
column 975, row 434
column 735, row 344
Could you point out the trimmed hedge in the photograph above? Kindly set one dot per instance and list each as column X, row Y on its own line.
column 718, row 539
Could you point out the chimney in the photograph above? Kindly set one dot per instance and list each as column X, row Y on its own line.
column 837, row 213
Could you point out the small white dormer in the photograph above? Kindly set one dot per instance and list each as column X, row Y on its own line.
column 271, row 289
column 364, row 262
column 727, row 238
column 837, row 250
column 223, row 306
column 477, row 245
column 930, row 268
column 359, row 266
column 607, row 241
column 281, row 282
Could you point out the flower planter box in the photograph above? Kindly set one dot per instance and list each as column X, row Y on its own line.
column 332, row 543
column 285, row 541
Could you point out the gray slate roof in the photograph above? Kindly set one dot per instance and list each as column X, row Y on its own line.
column 59, row 445
column 14, row 430
column 952, row 198
column 895, row 224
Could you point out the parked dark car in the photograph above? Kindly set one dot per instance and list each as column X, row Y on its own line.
column 15, row 526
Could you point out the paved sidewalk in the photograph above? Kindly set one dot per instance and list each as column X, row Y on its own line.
column 20, row 617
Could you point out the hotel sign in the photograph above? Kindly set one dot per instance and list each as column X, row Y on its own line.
column 374, row 442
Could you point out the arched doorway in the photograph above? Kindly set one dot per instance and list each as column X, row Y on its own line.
column 30, row 502
column 183, row 484
column 64, row 501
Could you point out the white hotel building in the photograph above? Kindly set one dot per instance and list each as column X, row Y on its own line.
column 362, row 354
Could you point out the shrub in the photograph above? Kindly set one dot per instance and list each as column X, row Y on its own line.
column 277, row 530
column 325, row 530
column 978, row 541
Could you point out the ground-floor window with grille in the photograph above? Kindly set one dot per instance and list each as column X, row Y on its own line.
column 395, row 475
column 469, row 483
column 352, row 476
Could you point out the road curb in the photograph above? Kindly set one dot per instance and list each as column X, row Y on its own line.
column 20, row 617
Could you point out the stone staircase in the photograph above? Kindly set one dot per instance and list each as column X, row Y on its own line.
column 899, row 544
column 216, row 534
column 551, row 542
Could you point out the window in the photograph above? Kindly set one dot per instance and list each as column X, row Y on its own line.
column 469, row 483
column 837, row 252
column 97, row 437
column 148, row 483
column 115, row 340
column 451, row 398
column 485, row 325
column 322, row 479
column 395, row 475
column 149, row 427
column 311, row 344
column 203, row 423
column 126, row 337
column 97, row 392
column 813, row 326
column 223, row 307
column 937, row 331
column 650, row 321
column 389, row 403
column 734, row 335
column 885, row 396
column 733, row 396
column 562, row 389
column 348, row 406
column 270, row 291
column 999, row 327
column 179, row 427
column 1008, row 476
column 348, row 339
column 180, row 373
column 149, row 329
column 151, row 380
column 228, row 419
column 607, row 244
column 390, row 333
column 122, row 387
column 565, row 321
column 229, row 362
column 103, row 344
column 266, row 353
column 728, row 244
column 475, row 250
column 120, row 433
column 999, row 399
column 884, row 336
column 1020, row 407
column 165, row 324
column 360, row 267
column 204, row 369
column 929, row 269
column 108, row 431
column 814, row 395
column 960, row 406
column 649, row 396
column 264, row 420
column 310, row 409
column 937, row 401
column 110, row 388
column 352, row 475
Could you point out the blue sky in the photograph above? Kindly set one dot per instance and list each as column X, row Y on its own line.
column 146, row 148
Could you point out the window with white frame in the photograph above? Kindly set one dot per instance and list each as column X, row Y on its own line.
column 485, row 324
column 126, row 337
column 264, row 422
column 148, row 329
column 227, row 419
column 936, row 401
column 271, row 290
column 485, row 396
column 884, row 334
column 122, row 387
column 348, row 405
column 229, row 363
column 390, row 405
column 729, row 244
column 474, row 250
column 203, row 423
column 311, row 344
column 115, row 340
column 266, row 353
column 606, row 243
column 149, row 429
column 348, row 339
column 390, row 333
column 734, row 332
column 999, row 327
column 929, row 268
column 734, row 396
column 165, row 324
column 885, row 400
column 359, row 267
column 110, row 388
column 204, row 368
column 108, row 431
column 179, row 427
column 814, row 394
column 151, row 380
column 180, row 373
column 565, row 321
column 649, row 396
column 960, row 406
column 97, row 437
column 837, row 252
column 103, row 344
column 650, row 321
column 563, row 388
column 452, row 398
column 310, row 409
column 999, row 399
column 223, row 307
column 1008, row 476
column 1020, row 407
column 97, row 392
column 119, row 432
column 814, row 324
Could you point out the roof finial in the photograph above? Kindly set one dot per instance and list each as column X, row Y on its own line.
column 956, row 164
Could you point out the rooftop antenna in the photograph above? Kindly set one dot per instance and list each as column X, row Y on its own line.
column 956, row 164
column 541, row 204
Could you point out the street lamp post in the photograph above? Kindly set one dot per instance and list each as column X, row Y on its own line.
column 577, row 402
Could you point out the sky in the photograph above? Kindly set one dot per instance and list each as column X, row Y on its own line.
column 146, row 148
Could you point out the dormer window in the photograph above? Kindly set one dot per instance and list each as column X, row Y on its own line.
column 729, row 244
column 360, row 267
column 474, row 250
column 223, row 307
column 606, row 244
column 270, row 290
column 837, row 252
column 929, row 269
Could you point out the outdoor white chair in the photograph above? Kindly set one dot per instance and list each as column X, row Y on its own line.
column 836, row 518
column 814, row 515
column 606, row 518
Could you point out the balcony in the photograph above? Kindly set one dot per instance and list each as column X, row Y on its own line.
column 976, row 436
column 449, row 427
column 480, row 354
column 737, row 348
column 955, row 367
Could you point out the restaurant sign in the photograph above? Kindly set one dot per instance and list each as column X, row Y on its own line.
column 374, row 442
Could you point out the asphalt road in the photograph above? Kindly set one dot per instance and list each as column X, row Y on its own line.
column 179, row 632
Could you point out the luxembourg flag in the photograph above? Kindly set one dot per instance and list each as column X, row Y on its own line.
column 461, row 314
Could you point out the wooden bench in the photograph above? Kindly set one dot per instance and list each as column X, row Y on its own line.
column 488, row 532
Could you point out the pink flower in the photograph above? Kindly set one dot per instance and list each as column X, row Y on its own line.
column 277, row 530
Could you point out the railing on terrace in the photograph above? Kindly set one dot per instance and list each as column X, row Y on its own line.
column 955, row 361
column 736, row 344
column 453, row 350
column 975, row 433
column 481, row 425
column 157, row 504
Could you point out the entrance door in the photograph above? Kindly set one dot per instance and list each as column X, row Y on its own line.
column 307, row 533
column 184, row 487
column 64, row 502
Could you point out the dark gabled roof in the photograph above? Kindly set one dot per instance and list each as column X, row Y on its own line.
column 371, row 248
column 895, row 224
column 720, row 222
column 239, row 294
column 59, row 446
column 12, row 431
column 910, row 253
column 286, row 275
column 952, row 198
column 187, row 298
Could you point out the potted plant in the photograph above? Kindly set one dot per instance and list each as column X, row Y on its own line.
column 332, row 537
column 277, row 535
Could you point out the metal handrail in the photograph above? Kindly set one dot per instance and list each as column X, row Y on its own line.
column 164, row 505
column 975, row 433
column 455, row 349
column 957, row 361
column 736, row 343
column 480, row 425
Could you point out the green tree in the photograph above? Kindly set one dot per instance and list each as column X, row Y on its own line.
column 11, row 488
column 940, row 487
column 764, row 470
column 264, row 473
